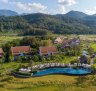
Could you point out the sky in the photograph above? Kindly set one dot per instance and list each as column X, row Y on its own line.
column 49, row 6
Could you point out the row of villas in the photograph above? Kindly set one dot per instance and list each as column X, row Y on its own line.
column 43, row 51
column 26, row 50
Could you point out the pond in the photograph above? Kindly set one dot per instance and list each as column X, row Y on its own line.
column 68, row 71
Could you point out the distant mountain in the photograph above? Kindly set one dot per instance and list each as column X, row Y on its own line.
column 41, row 24
column 59, row 24
column 94, row 14
column 24, row 14
column 88, row 20
column 8, row 13
column 76, row 14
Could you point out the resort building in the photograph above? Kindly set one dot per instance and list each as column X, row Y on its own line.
column 48, row 50
column 68, row 43
column 75, row 41
column 20, row 51
column 65, row 43
column 58, row 40
column 1, row 53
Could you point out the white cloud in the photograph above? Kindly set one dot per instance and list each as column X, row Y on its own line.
column 90, row 11
column 67, row 2
column 64, row 4
column 22, row 7
column 29, row 7
column 61, row 9
column 38, row 6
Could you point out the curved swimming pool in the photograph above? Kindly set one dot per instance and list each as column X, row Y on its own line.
column 69, row 71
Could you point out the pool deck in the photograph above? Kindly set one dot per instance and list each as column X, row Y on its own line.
column 45, row 66
column 48, row 65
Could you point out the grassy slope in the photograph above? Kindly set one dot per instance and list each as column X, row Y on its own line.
column 45, row 83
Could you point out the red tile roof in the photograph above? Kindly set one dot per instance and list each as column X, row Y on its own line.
column 1, row 52
column 20, row 49
column 45, row 50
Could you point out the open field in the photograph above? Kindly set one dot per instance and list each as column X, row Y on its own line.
column 46, row 83
column 4, row 39
column 88, row 37
column 82, row 37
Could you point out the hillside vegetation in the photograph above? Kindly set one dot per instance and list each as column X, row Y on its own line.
column 42, row 24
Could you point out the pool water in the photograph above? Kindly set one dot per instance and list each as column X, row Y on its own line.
column 70, row 71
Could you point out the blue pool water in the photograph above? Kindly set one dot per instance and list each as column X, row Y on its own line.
column 69, row 71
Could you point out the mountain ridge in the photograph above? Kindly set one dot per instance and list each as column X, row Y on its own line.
column 39, row 23
column 68, row 13
column 4, row 12
column 76, row 14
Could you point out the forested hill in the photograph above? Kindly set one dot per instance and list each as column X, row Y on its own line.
column 41, row 24
column 60, row 24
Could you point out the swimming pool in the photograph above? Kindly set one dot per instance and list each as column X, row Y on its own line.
column 69, row 71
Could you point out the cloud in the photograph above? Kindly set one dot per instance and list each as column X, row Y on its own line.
column 61, row 9
column 90, row 11
column 67, row 2
column 64, row 4
column 34, row 7
column 27, row 7
column 31, row 7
